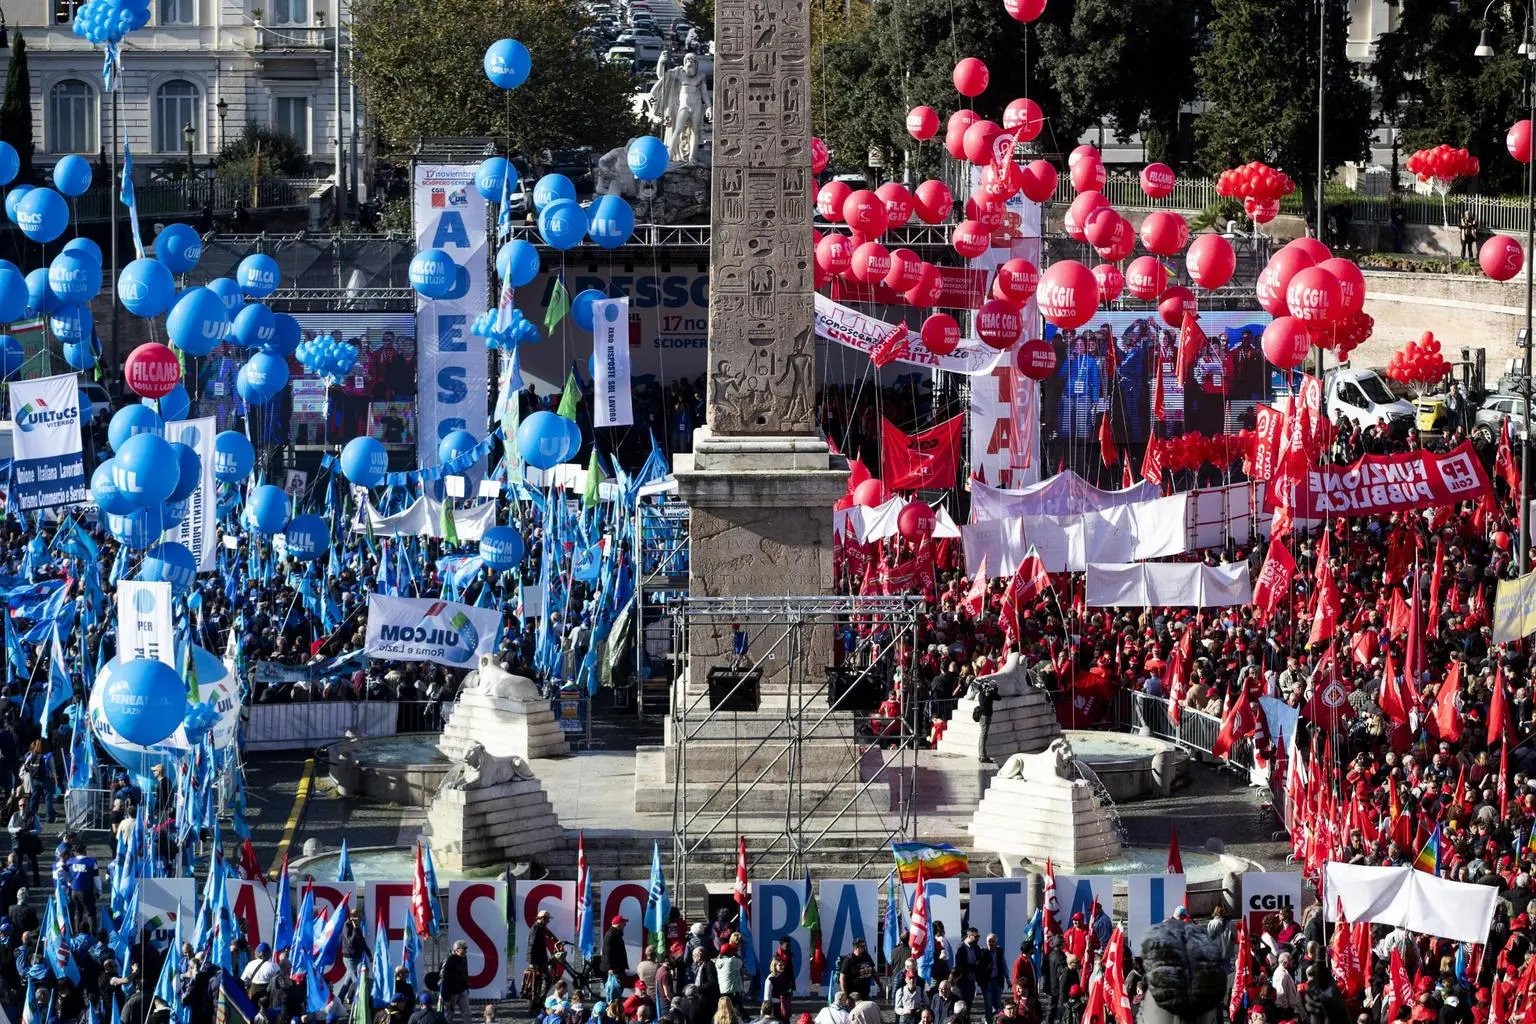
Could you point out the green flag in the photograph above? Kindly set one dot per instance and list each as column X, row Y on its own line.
column 570, row 399
column 589, row 497
column 450, row 530
column 559, row 305
column 811, row 919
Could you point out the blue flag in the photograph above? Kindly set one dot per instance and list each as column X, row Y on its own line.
column 165, row 986
column 128, row 199
column 431, row 876
column 587, row 940
column 344, row 864
column 748, row 942
column 892, row 931
column 658, row 905
column 411, row 958
column 282, row 929
column 383, row 974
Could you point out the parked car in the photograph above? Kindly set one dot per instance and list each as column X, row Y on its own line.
column 1497, row 408
column 575, row 164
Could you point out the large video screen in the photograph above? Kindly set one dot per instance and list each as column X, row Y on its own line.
column 378, row 397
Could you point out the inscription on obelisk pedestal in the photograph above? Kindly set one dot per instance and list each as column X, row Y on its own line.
column 762, row 347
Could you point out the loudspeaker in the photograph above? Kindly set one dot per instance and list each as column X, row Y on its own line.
column 734, row 689
column 848, row 690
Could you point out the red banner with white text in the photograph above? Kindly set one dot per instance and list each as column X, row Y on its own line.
column 1382, row 483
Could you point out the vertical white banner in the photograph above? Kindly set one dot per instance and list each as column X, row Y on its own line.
column 849, row 910
column 477, row 913
column 559, row 898
column 144, row 622
column 1005, row 428
column 199, row 530
column 1150, row 900
column 610, row 346
column 48, row 470
column 452, row 384
column 1076, row 894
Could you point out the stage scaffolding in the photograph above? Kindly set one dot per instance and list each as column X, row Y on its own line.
column 835, row 807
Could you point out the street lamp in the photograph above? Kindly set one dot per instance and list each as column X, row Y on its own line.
column 189, row 135
column 1528, row 50
column 223, row 108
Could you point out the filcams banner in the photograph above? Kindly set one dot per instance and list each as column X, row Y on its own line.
column 416, row 629
column 49, row 470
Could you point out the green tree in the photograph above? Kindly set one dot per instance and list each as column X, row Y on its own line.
column 1434, row 89
column 1260, row 76
column 701, row 14
column 262, row 152
column 16, row 108
column 420, row 69
column 1131, row 62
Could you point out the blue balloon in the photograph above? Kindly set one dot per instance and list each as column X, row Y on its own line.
column 610, row 221
column 233, row 457
column 572, row 438
column 491, row 177
column 40, row 297
column 507, row 63
column 285, row 336
column 105, row 494
column 169, row 562
column 518, row 262
column 79, row 355
column 81, row 244
column 581, row 307
column 11, row 356
column 198, row 321
column 83, row 403
column 308, row 537
column 550, row 188
column 42, row 215
column 364, row 461
column 73, row 277
column 647, row 157
column 72, row 175
column 145, row 700
column 563, row 224
column 174, row 404
column 179, row 247
column 13, row 200
column 258, row 275
column 72, row 324
column 501, row 548
column 266, row 374
column 254, row 326
column 189, row 470
column 267, row 509
column 226, row 289
column 541, row 439
column 146, row 287
column 146, row 469
column 432, row 273
column 454, row 444
column 10, row 163
column 130, row 421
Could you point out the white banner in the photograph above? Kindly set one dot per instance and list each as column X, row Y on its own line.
column 610, row 347
column 1076, row 894
column 48, row 470
column 1168, row 585
column 1150, row 900
column 452, row 382
column 559, row 898
column 1005, row 428
column 477, row 914
column 847, row 326
column 424, row 518
column 298, row 727
column 420, row 629
column 1125, row 533
column 199, row 530
column 144, row 622
column 1063, row 494
column 1514, row 609
column 880, row 522
column 1408, row 898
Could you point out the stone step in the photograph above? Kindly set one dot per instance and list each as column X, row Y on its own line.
column 741, row 727
column 747, row 763
column 766, row 799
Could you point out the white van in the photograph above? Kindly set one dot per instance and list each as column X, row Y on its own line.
column 1365, row 398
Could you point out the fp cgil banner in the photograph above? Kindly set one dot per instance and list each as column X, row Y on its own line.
column 610, row 340
column 420, row 629
column 451, row 377
column 1384, row 483
column 48, row 470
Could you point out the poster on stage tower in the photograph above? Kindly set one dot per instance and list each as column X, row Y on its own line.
column 452, row 380
column 48, row 470
column 199, row 530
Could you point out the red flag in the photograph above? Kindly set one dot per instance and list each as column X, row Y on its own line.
column 250, row 867
column 1126, row 480
column 1240, row 720
column 1274, row 582
column 917, row 930
column 1398, row 616
column 740, row 891
column 1173, row 675
column 1413, row 647
column 1026, row 586
column 1159, row 407
column 1447, row 715
column 1497, row 713
column 1329, row 705
column 1504, row 462
column 1114, row 979
column 857, row 473
column 1435, row 580
column 1240, row 970
column 1325, row 617
column 1346, row 968
column 1051, row 913
column 1175, row 862
column 927, row 459
column 976, row 597
column 421, row 909
column 1152, row 462
column 1191, row 341
column 1504, row 781
column 582, row 903
column 1108, row 453
column 892, row 347
column 1399, row 990
column 1394, row 703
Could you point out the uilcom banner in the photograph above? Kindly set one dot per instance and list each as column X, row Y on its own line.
column 415, row 629
column 1384, row 483
column 48, row 471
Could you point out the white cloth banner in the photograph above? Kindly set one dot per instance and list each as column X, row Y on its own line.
column 1407, row 898
column 199, row 530
column 879, row 522
column 1124, row 533
column 307, row 725
column 1004, row 418
column 847, row 326
column 1169, row 585
column 421, row 629
column 1064, row 494
column 48, row 470
column 144, row 622
column 424, row 518
column 453, row 384
column 610, row 347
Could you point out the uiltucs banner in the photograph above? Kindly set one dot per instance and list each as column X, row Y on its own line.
column 1382, row 483
column 49, row 469
column 418, row 629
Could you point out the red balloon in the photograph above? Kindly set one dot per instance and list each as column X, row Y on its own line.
column 928, row 288
column 970, row 239
column 989, row 214
column 1210, row 260
column 1164, row 232
column 977, row 141
column 830, row 200
column 1174, row 303
column 1111, row 281
column 1146, row 278
column 1024, row 118
column 1088, row 176
column 820, row 278
column 1076, row 217
column 960, row 120
column 906, row 270
column 922, row 123
column 152, row 370
column 1024, row 10
column 941, row 334
column 915, row 521
column 819, row 155
column 971, row 77
column 1262, row 211
column 1501, row 539
column 1518, row 141
column 1351, row 284
column 1016, row 281
column 1035, row 359
column 834, row 253
column 871, row 263
column 871, row 493
column 1312, row 247
column 1286, row 342
column 864, row 212
column 1157, row 181
column 1313, row 296
column 1103, row 227
column 1068, row 295
column 933, row 202
column 1000, row 182
column 1501, row 257
column 1039, row 181
column 999, row 323
column 1276, row 275
column 898, row 203
column 1084, row 152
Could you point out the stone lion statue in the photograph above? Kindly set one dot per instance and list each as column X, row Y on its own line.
column 614, row 178
column 1011, row 680
column 491, row 680
column 1052, row 763
column 481, row 769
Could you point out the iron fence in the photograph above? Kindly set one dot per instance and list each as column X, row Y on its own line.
column 1195, row 730
column 88, row 809
column 182, row 199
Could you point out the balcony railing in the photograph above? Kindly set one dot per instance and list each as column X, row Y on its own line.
column 182, row 199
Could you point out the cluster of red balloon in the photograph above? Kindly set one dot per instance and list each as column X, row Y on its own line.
column 1259, row 186
column 1193, row 450
column 1310, row 290
column 1418, row 362
column 1442, row 165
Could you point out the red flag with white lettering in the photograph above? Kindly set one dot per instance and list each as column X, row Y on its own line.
column 1274, row 582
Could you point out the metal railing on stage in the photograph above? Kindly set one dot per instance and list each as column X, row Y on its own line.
column 778, row 640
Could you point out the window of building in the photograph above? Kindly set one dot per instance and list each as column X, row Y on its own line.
column 64, row 11
column 71, row 117
column 290, row 115
column 290, row 12
column 177, row 104
column 176, row 12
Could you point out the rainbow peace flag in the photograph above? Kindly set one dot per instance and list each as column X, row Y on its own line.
column 939, row 860
column 1429, row 857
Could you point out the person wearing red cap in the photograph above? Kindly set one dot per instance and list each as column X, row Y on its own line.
column 1075, row 939
column 615, row 954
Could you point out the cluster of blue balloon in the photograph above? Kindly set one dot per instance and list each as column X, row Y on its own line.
column 108, row 21
column 518, row 331
column 609, row 221
column 546, row 439
column 143, row 488
column 326, row 356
